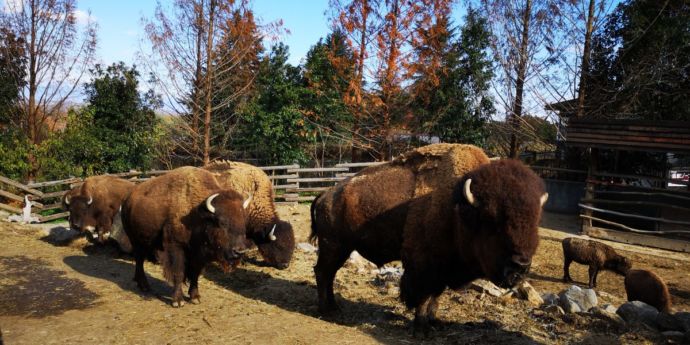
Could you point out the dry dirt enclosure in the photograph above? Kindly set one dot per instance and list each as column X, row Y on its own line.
column 83, row 294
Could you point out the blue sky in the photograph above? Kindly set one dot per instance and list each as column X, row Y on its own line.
column 121, row 32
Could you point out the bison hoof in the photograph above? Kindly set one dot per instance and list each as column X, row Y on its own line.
column 177, row 304
column 195, row 300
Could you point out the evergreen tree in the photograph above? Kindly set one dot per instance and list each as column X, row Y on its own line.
column 123, row 119
column 456, row 104
column 274, row 128
column 323, row 102
column 641, row 62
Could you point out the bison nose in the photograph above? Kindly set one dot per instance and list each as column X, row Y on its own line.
column 521, row 264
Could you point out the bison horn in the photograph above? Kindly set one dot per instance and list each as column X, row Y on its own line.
column 468, row 193
column 90, row 200
column 209, row 205
column 543, row 199
column 66, row 199
column 247, row 201
column 271, row 235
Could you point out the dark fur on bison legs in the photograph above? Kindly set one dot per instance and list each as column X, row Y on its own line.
column 193, row 272
column 139, row 274
column 425, row 317
column 566, row 270
column 329, row 262
column 593, row 272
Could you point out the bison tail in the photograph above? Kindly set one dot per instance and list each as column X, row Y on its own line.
column 312, row 212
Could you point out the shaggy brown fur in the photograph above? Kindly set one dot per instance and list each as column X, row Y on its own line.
column 598, row 256
column 100, row 218
column 169, row 216
column 261, row 214
column 413, row 209
column 645, row 286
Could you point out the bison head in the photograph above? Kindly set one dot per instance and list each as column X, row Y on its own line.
column 82, row 214
column 619, row 264
column 224, row 227
column 499, row 208
column 276, row 243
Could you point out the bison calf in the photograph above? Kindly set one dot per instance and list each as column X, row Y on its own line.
column 645, row 286
column 596, row 255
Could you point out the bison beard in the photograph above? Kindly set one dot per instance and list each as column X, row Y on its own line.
column 449, row 214
column 187, row 220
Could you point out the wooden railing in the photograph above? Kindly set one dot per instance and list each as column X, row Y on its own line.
column 291, row 183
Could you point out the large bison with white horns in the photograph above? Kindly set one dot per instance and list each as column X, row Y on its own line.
column 449, row 213
column 94, row 208
column 186, row 219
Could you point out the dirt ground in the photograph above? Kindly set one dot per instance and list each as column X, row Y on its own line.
column 84, row 294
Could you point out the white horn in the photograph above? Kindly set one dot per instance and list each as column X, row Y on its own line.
column 209, row 206
column 90, row 200
column 271, row 235
column 543, row 199
column 468, row 193
column 247, row 201
column 67, row 199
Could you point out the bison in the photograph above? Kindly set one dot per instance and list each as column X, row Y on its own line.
column 94, row 207
column 275, row 238
column 188, row 219
column 647, row 287
column 598, row 256
column 449, row 213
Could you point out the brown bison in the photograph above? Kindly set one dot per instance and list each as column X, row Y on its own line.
column 647, row 287
column 445, row 210
column 598, row 256
column 188, row 220
column 274, row 237
column 94, row 208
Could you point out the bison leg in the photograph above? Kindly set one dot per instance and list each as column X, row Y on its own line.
column 425, row 315
column 193, row 274
column 593, row 271
column 139, row 275
column 174, row 270
column 566, row 270
column 329, row 262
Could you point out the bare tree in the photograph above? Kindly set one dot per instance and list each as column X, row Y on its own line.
column 58, row 50
column 524, row 45
column 190, row 42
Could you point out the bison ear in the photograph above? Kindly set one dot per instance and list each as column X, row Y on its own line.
column 543, row 199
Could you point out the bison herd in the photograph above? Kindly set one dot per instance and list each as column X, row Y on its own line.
column 446, row 211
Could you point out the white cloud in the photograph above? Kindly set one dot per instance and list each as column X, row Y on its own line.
column 82, row 17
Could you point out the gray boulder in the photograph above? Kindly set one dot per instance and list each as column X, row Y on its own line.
column 607, row 315
column 684, row 320
column 575, row 299
column 550, row 298
column 638, row 312
column 669, row 322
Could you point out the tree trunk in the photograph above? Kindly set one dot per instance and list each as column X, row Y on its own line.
column 209, row 77
column 356, row 154
column 584, row 69
column 31, row 111
column 520, row 82
column 196, row 107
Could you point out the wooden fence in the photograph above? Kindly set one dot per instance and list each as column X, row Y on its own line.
column 291, row 184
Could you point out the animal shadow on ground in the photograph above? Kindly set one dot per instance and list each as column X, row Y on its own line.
column 549, row 279
column 382, row 322
column 31, row 287
column 675, row 291
column 102, row 263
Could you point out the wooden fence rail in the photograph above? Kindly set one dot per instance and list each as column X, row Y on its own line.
column 291, row 184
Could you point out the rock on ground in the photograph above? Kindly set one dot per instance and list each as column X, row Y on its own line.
column 527, row 292
column 638, row 312
column 485, row 286
column 575, row 299
column 306, row 247
column 550, row 298
column 607, row 315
